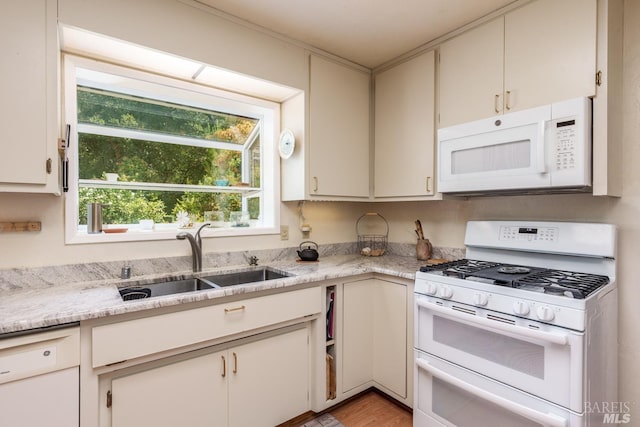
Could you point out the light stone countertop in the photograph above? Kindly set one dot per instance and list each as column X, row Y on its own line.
column 23, row 308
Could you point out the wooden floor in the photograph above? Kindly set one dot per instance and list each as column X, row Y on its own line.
column 368, row 409
column 372, row 410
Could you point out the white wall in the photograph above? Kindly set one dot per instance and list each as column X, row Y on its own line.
column 335, row 222
column 184, row 29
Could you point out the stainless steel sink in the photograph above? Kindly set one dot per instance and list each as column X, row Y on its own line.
column 259, row 274
column 212, row 281
column 168, row 287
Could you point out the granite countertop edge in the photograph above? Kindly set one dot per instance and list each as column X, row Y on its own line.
column 26, row 309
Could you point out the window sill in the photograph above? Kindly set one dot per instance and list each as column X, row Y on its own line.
column 134, row 235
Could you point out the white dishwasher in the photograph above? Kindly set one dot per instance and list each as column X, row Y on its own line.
column 39, row 379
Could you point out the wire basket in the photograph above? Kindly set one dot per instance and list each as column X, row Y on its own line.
column 373, row 231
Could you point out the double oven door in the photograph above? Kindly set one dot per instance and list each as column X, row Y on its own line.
column 478, row 368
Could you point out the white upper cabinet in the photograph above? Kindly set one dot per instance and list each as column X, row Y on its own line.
column 404, row 129
column 338, row 130
column 471, row 74
column 28, row 42
column 540, row 53
column 550, row 52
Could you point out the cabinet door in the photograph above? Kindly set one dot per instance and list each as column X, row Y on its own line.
column 471, row 74
column 374, row 344
column 269, row 380
column 190, row 393
column 28, row 87
column 357, row 333
column 338, row 130
column 550, row 52
column 404, row 129
column 390, row 336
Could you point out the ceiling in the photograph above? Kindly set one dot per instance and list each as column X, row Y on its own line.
column 367, row 32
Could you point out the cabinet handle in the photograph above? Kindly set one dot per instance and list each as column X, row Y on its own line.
column 231, row 310
column 495, row 103
column 428, row 188
column 315, row 184
column 507, row 100
column 224, row 367
column 235, row 363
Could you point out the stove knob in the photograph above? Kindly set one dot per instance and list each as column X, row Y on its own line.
column 521, row 308
column 446, row 292
column 545, row 313
column 480, row 299
column 432, row 288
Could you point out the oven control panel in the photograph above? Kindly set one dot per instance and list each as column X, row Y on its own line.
column 569, row 238
column 537, row 234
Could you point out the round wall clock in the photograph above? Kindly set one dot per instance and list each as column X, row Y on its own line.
column 287, row 143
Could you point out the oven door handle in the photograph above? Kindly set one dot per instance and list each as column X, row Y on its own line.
column 547, row 419
column 553, row 338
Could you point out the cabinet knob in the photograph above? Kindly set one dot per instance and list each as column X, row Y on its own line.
column 495, row 104
column 507, row 100
column 315, row 184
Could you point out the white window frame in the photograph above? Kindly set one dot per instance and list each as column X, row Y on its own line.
column 175, row 90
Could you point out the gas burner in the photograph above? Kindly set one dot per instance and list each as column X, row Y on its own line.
column 513, row 269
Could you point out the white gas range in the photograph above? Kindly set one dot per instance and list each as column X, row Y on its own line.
column 523, row 332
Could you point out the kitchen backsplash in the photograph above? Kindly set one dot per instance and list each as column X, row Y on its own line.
column 43, row 277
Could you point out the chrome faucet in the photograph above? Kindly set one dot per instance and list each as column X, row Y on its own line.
column 196, row 246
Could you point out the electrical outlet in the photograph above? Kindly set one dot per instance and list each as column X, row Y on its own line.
column 306, row 231
column 284, row 232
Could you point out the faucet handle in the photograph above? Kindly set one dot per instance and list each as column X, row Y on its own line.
column 252, row 260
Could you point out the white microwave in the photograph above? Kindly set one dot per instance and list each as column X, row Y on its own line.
column 542, row 150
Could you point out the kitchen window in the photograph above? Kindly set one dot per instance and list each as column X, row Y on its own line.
column 163, row 154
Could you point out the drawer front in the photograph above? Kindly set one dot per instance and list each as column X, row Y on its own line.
column 135, row 338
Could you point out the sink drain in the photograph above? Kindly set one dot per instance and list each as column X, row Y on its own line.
column 129, row 294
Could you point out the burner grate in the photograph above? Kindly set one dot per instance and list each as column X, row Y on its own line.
column 569, row 283
column 460, row 268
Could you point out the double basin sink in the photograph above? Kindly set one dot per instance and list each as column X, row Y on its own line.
column 212, row 281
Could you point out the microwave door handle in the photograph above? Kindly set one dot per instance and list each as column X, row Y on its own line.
column 524, row 411
column 481, row 322
column 541, row 160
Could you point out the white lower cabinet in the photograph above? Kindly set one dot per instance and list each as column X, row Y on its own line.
column 260, row 383
column 191, row 392
column 374, row 335
column 269, row 380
